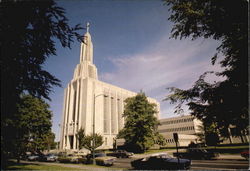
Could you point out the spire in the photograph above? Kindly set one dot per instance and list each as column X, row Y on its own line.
column 87, row 26
column 86, row 53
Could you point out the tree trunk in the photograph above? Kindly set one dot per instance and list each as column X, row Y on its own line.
column 18, row 159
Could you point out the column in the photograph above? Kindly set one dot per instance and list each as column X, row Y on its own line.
column 80, row 104
column 76, row 113
column 66, row 125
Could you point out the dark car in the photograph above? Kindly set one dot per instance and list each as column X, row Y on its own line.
column 196, row 153
column 161, row 161
column 121, row 154
column 245, row 154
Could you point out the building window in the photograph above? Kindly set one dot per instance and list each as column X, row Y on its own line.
column 106, row 141
column 106, row 117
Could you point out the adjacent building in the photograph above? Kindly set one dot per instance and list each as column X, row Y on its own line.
column 186, row 126
column 91, row 104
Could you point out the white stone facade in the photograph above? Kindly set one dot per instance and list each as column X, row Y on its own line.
column 79, row 97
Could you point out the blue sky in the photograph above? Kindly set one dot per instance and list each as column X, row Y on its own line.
column 132, row 50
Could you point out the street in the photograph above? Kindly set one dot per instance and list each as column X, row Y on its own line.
column 197, row 164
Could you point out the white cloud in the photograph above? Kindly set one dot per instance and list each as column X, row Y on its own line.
column 165, row 63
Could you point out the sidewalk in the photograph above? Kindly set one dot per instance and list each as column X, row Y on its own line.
column 230, row 157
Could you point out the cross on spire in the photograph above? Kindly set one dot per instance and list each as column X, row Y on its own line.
column 87, row 26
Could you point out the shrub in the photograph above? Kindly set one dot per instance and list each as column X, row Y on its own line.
column 99, row 162
column 64, row 160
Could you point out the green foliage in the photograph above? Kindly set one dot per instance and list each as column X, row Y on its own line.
column 88, row 140
column 33, row 126
column 30, row 31
column 49, row 141
column 209, row 134
column 64, row 159
column 80, row 136
column 140, row 123
column 225, row 102
column 159, row 139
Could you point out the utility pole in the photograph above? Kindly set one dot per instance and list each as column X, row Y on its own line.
column 176, row 139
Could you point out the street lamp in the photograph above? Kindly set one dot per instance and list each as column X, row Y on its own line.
column 95, row 96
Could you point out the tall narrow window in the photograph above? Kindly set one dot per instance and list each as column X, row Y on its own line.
column 106, row 141
column 106, row 117
column 113, row 117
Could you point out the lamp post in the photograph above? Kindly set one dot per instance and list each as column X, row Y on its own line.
column 95, row 96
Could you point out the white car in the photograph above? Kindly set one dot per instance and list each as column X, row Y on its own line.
column 51, row 157
column 33, row 157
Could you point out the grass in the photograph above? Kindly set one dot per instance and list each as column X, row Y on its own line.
column 25, row 166
column 228, row 147
column 156, row 151
column 50, row 166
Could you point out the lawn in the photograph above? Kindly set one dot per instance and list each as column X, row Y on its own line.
column 53, row 166
column 25, row 166
column 157, row 151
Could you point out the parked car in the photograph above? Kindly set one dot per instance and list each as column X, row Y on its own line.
column 161, row 161
column 196, row 153
column 33, row 157
column 101, row 159
column 120, row 154
column 51, row 157
column 74, row 158
column 245, row 154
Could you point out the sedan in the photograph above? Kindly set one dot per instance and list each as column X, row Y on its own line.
column 245, row 154
column 161, row 161
column 101, row 159
column 51, row 157
column 120, row 154
column 33, row 157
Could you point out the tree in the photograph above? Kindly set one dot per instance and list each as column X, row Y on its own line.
column 140, row 128
column 91, row 142
column 159, row 139
column 30, row 31
column 80, row 136
column 50, row 141
column 224, row 103
column 208, row 134
column 34, row 126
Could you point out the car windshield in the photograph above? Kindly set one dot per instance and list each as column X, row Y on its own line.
column 161, row 155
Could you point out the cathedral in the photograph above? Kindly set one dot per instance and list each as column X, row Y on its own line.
column 91, row 104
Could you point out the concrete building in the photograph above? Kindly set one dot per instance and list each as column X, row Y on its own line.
column 186, row 126
column 90, row 103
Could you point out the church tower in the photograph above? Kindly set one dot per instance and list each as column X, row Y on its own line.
column 78, row 96
column 91, row 104
column 86, row 68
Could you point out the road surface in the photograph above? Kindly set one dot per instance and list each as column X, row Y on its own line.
column 197, row 164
